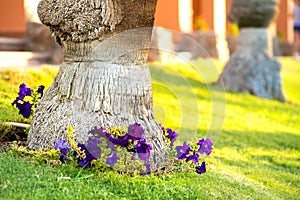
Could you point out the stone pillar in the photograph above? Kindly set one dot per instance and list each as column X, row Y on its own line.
column 252, row 68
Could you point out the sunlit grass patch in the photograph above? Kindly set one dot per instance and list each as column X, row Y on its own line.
column 255, row 157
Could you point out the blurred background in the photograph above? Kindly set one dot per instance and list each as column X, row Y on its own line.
column 25, row 39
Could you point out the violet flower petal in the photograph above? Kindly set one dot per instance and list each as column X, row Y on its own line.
column 135, row 131
column 182, row 151
column 143, row 149
column 87, row 161
column 194, row 158
column 205, row 146
column 112, row 159
column 201, row 169
column 64, row 149
column 92, row 146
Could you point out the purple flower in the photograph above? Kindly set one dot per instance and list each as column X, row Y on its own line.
column 41, row 90
column 87, row 161
column 98, row 132
column 110, row 145
column 123, row 141
column 24, row 91
column 194, row 158
column 201, row 169
column 111, row 138
column 24, row 109
column 92, row 146
column 182, row 151
column 143, row 149
column 172, row 136
column 148, row 170
column 112, row 159
column 15, row 102
column 135, row 131
column 205, row 146
column 64, row 149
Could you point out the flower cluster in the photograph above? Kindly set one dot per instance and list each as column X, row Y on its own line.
column 170, row 135
column 133, row 141
column 192, row 154
column 103, row 143
column 112, row 143
column 64, row 148
column 27, row 99
column 85, row 157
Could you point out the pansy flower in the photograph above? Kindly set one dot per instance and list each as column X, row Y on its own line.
column 194, row 158
column 135, row 131
column 172, row 136
column 87, row 160
column 205, row 146
column 183, row 151
column 201, row 169
column 64, row 149
column 143, row 149
column 112, row 159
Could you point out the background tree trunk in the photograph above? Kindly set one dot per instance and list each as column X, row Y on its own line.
column 104, row 80
column 252, row 68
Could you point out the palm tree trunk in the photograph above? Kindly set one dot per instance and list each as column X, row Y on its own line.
column 104, row 81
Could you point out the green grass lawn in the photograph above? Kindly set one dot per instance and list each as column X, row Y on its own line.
column 256, row 155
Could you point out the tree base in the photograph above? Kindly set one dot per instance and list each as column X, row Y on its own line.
column 252, row 69
column 256, row 74
column 97, row 94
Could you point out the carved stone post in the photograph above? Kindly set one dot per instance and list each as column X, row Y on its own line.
column 104, row 80
column 252, row 68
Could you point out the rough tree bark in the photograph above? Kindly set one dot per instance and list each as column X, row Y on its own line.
column 104, row 80
column 252, row 68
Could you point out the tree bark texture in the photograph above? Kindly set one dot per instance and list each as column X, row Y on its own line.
column 104, row 80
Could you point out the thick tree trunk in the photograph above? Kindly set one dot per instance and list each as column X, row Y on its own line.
column 252, row 68
column 104, row 80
